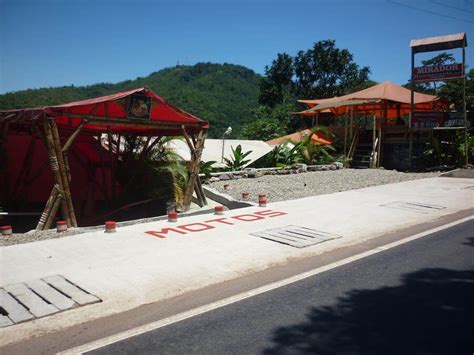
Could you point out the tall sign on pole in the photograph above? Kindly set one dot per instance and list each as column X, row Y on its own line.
column 438, row 72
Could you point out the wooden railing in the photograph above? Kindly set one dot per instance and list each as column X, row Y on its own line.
column 374, row 154
column 354, row 143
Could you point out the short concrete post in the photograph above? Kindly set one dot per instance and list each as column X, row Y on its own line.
column 245, row 196
column 110, row 227
column 262, row 200
column 172, row 216
column 219, row 210
column 6, row 230
column 61, row 226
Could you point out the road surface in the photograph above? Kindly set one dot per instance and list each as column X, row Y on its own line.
column 415, row 298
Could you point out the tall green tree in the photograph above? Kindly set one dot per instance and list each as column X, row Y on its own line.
column 452, row 91
column 277, row 81
column 319, row 72
column 325, row 71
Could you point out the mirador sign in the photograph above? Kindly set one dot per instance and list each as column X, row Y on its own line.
column 438, row 72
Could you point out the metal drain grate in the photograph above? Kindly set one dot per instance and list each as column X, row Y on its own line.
column 296, row 236
column 25, row 301
column 416, row 207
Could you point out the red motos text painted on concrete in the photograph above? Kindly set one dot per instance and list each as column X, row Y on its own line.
column 438, row 72
column 213, row 223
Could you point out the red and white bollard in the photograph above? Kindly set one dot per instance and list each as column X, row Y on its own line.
column 245, row 196
column 110, row 227
column 227, row 187
column 219, row 210
column 6, row 230
column 61, row 226
column 172, row 216
column 262, row 200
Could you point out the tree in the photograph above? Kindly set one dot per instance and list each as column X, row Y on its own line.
column 452, row 91
column 271, row 122
column 319, row 72
column 325, row 71
column 277, row 82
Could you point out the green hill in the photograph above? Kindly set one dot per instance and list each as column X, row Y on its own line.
column 223, row 94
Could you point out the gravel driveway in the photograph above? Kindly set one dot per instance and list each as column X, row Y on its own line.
column 294, row 186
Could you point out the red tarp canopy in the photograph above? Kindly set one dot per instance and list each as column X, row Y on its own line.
column 395, row 97
column 165, row 119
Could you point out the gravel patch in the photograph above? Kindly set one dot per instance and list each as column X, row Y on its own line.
column 277, row 188
column 294, row 186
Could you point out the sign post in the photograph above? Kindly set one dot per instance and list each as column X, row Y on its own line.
column 437, row 73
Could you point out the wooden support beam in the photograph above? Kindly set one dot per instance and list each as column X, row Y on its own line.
column 73, row 136
column 110, row 121
column 63, row 172
column 193, row 170
column 47, row 208
column 188, row 140
column 53, row 160
column 53, row 212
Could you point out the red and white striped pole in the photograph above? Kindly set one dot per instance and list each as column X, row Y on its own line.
column 110, row 227
column 61, row 226
column 262, row 200
column 172, row 216
column 6, row 230
column 219, row 210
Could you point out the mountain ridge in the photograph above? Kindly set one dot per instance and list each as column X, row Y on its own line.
column 223, row 94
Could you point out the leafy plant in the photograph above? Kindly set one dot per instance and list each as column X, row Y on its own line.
column 237, row 160
column 448, row 150
column 315, row 153
column 205, row 167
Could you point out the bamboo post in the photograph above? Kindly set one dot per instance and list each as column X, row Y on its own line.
column 53, row 160
column 197, row 186
column 67, row 146
column 351, row 124
column 198, row 189
column 345, row 134
column 54, row 210
column 62, row 170
column 193, row 170
column 47, row 209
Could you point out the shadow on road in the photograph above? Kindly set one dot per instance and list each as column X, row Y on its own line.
column 470, row 242
column 431, row 312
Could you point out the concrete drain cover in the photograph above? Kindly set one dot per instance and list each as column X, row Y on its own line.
column 41, row 297
column 413, row 206
column 295, row 236
column 471, row 187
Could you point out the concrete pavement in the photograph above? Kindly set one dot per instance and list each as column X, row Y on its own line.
column 132, row 267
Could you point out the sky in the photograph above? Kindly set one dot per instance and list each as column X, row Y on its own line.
column 46, row 43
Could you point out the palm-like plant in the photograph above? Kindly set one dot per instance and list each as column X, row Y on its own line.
column 311, row 152
column 237, row 160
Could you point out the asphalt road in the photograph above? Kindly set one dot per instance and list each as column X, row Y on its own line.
column 417, row 298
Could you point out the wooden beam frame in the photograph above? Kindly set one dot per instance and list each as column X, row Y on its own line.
column 193, row 172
